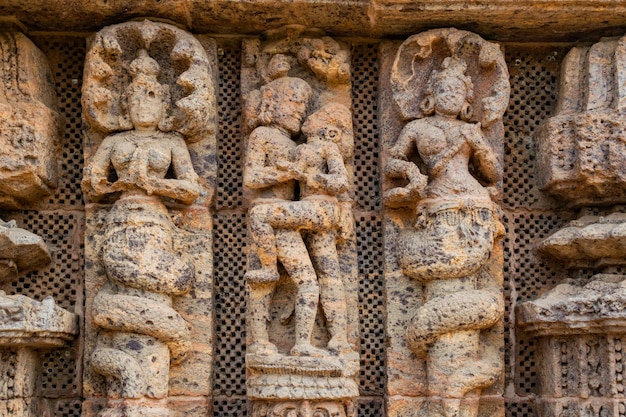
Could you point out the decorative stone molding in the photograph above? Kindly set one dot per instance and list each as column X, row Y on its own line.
column 149, row 103
column 302, row 352
column 30, row 124
column 443, row 230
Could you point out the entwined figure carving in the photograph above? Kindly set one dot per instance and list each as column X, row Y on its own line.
column 453, row 236
column 301, row 234
column 141, row 332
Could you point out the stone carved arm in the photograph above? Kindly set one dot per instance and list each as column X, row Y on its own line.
column 336, row 181
column 399, row 166
column 256, row 173
column 184, row 187
column 100, row 168
column 488, row 163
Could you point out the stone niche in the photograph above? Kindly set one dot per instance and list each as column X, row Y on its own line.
column 443, row 95
column 302, row 353
column 149, row 107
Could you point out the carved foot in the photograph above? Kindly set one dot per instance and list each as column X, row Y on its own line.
column 261, row 275
column 262, row 349
column 306, row 349
column 339, row 344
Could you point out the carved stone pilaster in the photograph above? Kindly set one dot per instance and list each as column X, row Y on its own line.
column 30, row 125
column 302, row 321
column 582, row 152
column 580, row 327
column 149, row 104
column 444, row 95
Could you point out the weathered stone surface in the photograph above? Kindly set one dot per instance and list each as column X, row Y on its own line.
column 297, row 82
column 152, row 283
column 443, row 275
column 581, row 148
column 525, row 20
column 30, row 124
column 589, row 242
column 597, row 307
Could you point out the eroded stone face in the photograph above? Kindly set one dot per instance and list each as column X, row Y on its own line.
column 30, row 124
column 154, row 83
column 443, row 225
column 297, row 90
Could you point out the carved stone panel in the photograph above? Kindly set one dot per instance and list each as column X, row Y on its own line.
column 30, row 123
column 302, row 354
column 149, row 104
column 444, row 93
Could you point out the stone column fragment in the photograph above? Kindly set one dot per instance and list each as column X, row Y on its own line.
column 582, row 160
column 149, row 104
column 30, row 126
column 302, row 354
column 444, row 94
column 582, row 148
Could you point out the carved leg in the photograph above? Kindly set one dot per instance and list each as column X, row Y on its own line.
column 295, row 258
column 332, row 293
column 258, row 318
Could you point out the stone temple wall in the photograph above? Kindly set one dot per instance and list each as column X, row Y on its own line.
column 528, row 214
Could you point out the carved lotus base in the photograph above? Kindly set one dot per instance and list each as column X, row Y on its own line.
column 25, row 322
column 284, row 377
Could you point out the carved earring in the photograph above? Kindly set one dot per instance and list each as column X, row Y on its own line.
column 427, row 106
column 467, row 111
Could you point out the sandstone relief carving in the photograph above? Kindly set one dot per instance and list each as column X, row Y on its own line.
column 148, row 98
column 302, row 355
column 442, row 188
column 29, row 134
column 30, row 124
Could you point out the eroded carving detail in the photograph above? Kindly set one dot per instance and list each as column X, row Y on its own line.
column 443, row 170
column 29, row 129
column 581, row 151
column 144, row 245
column 29, row 123
column 582, row 154
column 297, row 85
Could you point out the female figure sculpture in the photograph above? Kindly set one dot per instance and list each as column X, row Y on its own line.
column 141, row 334
column 453, row 236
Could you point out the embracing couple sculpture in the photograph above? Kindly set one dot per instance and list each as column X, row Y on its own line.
column 301, row 234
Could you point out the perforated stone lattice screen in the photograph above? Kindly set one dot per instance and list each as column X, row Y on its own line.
column 529, row 216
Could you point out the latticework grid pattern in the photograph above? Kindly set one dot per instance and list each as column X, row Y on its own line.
column 230, row 148
column 230, row 305
column 65, row 57
column 534, row 89
column 371, row 305
column 365, row 109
